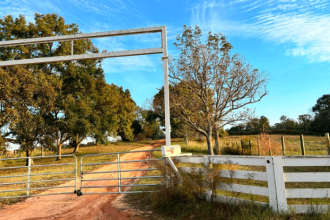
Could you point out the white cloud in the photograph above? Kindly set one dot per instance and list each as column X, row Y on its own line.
column 301, row 25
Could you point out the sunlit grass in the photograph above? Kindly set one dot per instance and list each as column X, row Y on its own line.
column 313, row 145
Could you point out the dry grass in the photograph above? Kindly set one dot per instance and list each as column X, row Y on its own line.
column 313, row 145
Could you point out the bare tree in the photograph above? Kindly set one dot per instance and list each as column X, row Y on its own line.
column 211, row 87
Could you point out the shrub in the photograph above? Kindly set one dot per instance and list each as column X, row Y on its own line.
column 223, row 133
column 230, row 150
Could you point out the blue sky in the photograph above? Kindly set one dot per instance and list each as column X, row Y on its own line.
column 288, row 38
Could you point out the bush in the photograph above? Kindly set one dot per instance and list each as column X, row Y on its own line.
column 223, row 133
column 230, row 151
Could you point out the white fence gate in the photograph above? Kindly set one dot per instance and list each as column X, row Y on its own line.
column 275, row 177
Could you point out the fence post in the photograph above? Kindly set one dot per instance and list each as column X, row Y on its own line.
column 327, row 139
column 302, row 145
column 250, row 146
column 208, row 191
column 282, row 205
column 42, row 151
column 283, row 145
column 242, row 146
column 258, row 146
column 271, row 183
column 28, row 177
column 276, row 185
column 119, row 173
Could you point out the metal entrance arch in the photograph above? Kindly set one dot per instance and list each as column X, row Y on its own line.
column 162, row 49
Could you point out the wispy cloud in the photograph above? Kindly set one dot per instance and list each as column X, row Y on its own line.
column 304, row 26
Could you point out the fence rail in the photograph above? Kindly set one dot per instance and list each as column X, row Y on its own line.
column 274, row 178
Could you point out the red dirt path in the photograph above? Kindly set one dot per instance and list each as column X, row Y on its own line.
column 69, row 206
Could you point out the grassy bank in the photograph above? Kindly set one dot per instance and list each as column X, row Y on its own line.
column 180, row 203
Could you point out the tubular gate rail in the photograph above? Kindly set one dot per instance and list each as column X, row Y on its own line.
column 29, row 174
column 274, row 176
column 119, row 171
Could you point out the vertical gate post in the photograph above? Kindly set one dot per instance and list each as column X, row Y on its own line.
column 75, row 174
column 119, row 173
column 271, row 183
column 166, row 88
column 282, row 205
column 276, row 184
column 28, row 177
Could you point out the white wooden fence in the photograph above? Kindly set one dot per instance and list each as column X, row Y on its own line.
column 275, row 178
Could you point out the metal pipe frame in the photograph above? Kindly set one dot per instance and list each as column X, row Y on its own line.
column 126, row 161
column 124, row 152
column 121, row 171
column 126, row 178
column 89, row 187
column 29, row 175
column 118, row 171
column 71, row 57
column 126, row 192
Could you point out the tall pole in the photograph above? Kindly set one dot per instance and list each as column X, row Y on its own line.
column 166, row 88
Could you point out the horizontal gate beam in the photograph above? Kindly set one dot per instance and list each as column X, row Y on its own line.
column 81, row 36
column 82, row 57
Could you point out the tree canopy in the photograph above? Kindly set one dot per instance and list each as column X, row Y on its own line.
column 58, row 101
column 212, row 87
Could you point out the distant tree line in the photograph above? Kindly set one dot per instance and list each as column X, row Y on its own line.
column 50, row 104
column 316, row 124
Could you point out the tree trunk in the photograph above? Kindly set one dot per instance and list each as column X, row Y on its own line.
column 76, row 148
column 28, row 154
column 59, row 147
column 209, row 143
column 186, row 141
column 217, row 144
column 199, row 137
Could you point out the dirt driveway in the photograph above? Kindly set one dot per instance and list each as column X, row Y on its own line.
column 69, row 206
